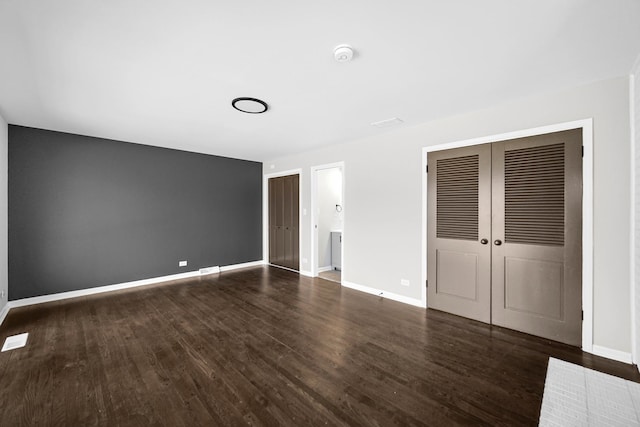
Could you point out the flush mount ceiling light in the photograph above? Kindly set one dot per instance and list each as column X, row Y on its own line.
column 249, row 105
column 343, row 53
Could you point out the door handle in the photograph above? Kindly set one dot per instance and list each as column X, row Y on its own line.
column 484, row 241
column 497, row 242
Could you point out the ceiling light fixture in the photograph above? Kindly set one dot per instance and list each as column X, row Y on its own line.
column 343, row 53
column 249, row 105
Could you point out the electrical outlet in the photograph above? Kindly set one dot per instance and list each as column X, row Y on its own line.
column 182, row 263
column 304, row 260
column 404, row 282
column 2, row 294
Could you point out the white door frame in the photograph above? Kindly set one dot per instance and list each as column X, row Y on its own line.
column 587, row 208
column 265, row 212
column 314, row 201
column 633, row 116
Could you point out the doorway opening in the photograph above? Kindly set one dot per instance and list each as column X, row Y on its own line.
column 327, row 207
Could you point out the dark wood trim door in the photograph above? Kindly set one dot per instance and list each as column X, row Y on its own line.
column 284, row 217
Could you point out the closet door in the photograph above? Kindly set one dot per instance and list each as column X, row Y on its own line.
column 294, row 225
column 291, row 221
column 537, row 235
column 276, row 221
column 283, row 221
column 459, row 229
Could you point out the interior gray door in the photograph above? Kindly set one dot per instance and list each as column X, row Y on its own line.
column 458, row 233
column 537, row 235
column 504, row 234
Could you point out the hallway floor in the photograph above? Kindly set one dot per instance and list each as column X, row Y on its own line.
column 333, row 275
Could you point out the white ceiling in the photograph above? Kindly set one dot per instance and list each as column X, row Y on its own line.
column 164, row 72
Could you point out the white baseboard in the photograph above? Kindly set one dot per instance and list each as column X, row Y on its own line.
column 620, row 356
column 327, row 268
column 110, row 288
column 384, row 294
column 306, row 273
column 98, row 290
column 283, row 268
column 4, row 312
column 243, row 265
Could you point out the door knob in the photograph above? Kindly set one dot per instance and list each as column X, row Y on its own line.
column 484, row 241
column 497, row 242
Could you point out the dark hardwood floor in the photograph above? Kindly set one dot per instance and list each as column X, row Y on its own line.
column 264, row 346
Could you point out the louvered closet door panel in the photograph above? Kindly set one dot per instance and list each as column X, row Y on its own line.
column 537, row 215
column 459, row 216
column 457, row 197
column 534, row 195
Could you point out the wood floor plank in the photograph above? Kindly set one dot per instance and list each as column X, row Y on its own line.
column 235, row 348
column 265, row 346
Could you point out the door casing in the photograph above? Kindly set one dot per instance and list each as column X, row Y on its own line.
column 587, row 208
column 314, row 201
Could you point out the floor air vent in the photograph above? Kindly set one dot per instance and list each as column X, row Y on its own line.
column 15, row 341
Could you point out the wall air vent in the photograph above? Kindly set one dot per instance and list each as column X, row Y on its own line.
column 387, row 123
column 209, row 270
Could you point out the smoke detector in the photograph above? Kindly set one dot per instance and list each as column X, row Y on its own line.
column 343, row 53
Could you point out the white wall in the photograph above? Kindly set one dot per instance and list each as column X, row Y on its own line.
column 383, row 176
column 4, row 238
column 635, row 103
column 329, row 194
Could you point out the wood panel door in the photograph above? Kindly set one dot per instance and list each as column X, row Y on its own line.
column 537, row 235
column 284, row 211
column 513, row 208
column 276, row 221
column 459, row 226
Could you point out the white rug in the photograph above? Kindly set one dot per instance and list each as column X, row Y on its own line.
column 577, row 396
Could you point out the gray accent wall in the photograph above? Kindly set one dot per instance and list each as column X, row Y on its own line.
column 87, row 212
column 4, row 250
